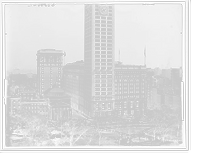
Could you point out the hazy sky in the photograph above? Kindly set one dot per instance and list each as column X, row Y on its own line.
column 158, row 27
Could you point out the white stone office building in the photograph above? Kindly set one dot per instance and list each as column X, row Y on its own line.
column 49, row 68
column 99, row 59
column 130, row 90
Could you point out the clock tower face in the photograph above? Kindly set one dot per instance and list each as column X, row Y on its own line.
column 103, row 9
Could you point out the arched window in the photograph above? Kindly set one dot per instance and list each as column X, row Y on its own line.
column 137, row 103
column 109, row 105
column 103, row 106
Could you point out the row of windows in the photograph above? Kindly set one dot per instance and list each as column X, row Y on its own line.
column 103, row 40
column 103, row 52
column 103, row 107
column 103, row 60
column 103, row 44
column 128, row 71
column 103, row 89
column 103, row 21
column 103, row 29
column 103, row 76
column 103, row 64
column 103, row 25
column 50, row 68
column 103, row 85
column 103, row 93
column 97, row 13
column 102, row 98
column 104, row 68
column 51, row 60
column 103, row 56
column 50, row 72
column 51, row 57
column 103, row 81
column 51, row 76
column 109, row 49
column 103, row 72
column 103, row 37
column 50, row 65
column 103, row 17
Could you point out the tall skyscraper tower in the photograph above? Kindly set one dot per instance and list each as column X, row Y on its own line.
column 49, row 68
column 99, row 59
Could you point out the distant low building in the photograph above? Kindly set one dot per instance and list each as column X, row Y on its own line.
column 176, row 79
column 35, row 107
column 160, row 100
column 14, row 104
column 169, row 100
column 176, row 102
column 17, row 78
column 28, row 93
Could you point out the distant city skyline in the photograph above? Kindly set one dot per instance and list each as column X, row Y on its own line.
column 158, row 28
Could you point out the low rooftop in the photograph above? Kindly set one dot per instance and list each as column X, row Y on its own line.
column 50, row 51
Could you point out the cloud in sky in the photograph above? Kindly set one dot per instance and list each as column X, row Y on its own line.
column 158, row 27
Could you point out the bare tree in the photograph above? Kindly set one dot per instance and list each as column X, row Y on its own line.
column 74, row 129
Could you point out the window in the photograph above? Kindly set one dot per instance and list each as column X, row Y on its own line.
column 97, row 106
column 103, row 106
column 137, row 103
column 109, row 105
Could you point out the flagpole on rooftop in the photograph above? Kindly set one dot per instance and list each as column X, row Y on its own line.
column 145, row 56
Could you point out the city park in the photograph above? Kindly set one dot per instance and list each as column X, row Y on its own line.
column 156, row 129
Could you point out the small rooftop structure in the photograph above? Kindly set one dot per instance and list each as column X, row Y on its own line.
column 50, row 51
